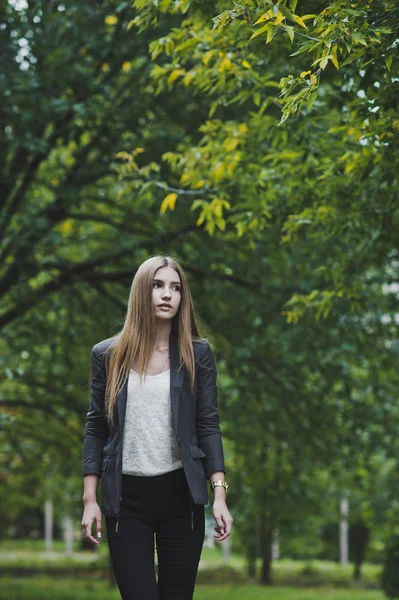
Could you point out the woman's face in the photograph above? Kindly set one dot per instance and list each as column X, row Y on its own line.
column 166, row 289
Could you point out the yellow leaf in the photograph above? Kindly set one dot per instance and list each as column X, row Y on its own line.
column 299, row 21
column 168, row 202
column 175, row 74
column 231, row 145
column 219, row 171
column 334, row 57
column 207, row 56
column 221, row 223
column 217, row 207
column 126, row 66
column 323, row 63
column 304, row 73
column 230, row 167
column 265, row 17
column 349, row 168
column 111, row 20
column 246, row 64
column 290, row 31
column 280, row 17
column 189, row 76
column 135, row 21
column 66, row 226
column 201, row 218
column 225, row 64
column 199, row 184
column 184, row 178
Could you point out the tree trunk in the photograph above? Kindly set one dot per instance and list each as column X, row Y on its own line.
column 68, row 535
column 343, row 529
column 359, row 535
column 227, row 550
column 266, row 543
column 251, row 561
column 48, row 525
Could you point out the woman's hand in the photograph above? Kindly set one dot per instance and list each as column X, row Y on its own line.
column 91, row 513
column 223, row 519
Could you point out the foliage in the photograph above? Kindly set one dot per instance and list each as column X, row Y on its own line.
column 341, row 33
column 330, row 176
column 164, row 134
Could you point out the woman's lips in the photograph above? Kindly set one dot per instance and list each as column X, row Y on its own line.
column 165, row 307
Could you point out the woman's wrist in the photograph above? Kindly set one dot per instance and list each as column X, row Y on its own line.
column 89, row 499
column 218, row 485
column 219, row 493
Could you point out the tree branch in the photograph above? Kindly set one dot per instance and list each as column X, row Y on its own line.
column 44, row 408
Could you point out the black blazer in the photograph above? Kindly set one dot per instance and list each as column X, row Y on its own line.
column 195, row 420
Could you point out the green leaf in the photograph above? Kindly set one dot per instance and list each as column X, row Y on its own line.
column 271, row 32
column 359, row 38
column 322, row 60
column 213, row 108
column 290, row 30
column 388, row 61
column 260, row 31
column 311, row 100
column 307, row 47
column 353, row 57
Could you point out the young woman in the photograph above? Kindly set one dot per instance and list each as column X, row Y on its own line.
column 152, row 435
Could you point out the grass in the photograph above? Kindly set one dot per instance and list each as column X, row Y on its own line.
column 46, row 588
column 24, row 558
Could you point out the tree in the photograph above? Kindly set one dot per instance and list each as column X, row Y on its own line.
column 331, row 175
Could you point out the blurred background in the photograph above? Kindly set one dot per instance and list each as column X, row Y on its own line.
column 256, row 142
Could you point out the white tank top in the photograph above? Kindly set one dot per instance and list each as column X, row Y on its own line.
column 149, row 444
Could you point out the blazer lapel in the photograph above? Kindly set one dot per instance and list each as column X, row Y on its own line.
column 121, row 400
column 176, row 376
column 176, row 382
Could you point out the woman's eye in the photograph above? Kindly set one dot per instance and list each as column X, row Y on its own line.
column 177, row 287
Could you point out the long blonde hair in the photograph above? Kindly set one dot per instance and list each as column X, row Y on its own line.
column 134, row 344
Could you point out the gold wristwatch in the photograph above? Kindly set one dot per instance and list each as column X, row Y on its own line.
column 219, row 483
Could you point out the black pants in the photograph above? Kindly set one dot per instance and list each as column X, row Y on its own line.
column 159, row 504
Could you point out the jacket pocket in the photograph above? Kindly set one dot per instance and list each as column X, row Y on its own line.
column 105, row 463
column 195, row 451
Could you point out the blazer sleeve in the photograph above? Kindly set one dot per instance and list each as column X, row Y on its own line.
column 96, row 428
column 207, row 422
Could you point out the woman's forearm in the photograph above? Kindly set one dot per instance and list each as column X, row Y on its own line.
column 90, row 483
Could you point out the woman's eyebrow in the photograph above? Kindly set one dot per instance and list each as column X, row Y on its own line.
column 161, row 281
